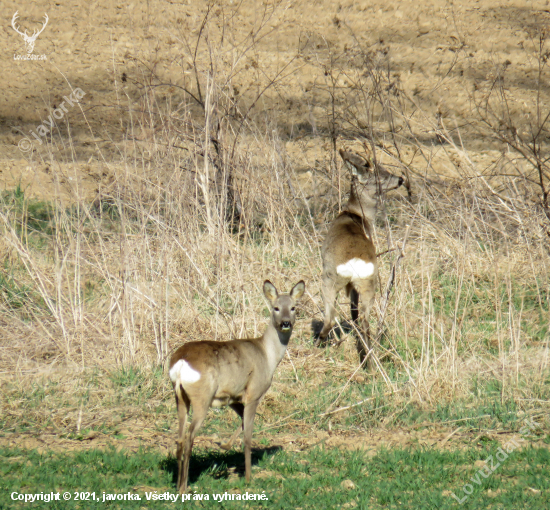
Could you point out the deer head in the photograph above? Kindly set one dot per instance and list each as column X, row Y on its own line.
column 29, row 39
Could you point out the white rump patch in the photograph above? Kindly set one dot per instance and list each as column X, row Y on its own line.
column 183, row 371
column 356, row 269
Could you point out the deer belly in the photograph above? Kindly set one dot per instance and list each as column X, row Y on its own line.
column 225, row 400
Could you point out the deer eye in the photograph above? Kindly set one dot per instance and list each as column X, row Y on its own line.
column 293, row 309
column 276, row 308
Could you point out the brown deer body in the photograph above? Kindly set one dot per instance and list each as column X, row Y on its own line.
column 237, row 373
column 348, row 252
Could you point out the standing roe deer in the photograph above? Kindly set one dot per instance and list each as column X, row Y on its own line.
column 348, row 253
column 237, row 373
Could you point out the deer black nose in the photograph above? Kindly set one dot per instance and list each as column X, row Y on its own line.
column 286, row 325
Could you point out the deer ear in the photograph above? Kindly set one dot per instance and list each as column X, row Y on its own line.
column 298, row 290
column 270, row 292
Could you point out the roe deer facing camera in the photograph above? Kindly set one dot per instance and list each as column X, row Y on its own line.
column 348, row 252
column 236, row 373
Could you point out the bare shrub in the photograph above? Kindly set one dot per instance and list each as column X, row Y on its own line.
column 212, row 189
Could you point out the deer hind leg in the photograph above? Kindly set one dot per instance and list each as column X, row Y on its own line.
column 364, row 292
column 329, row 292
column 354, row 303
column 239, row 409
column 248, row 423
column 182, row 403
column 200, row 408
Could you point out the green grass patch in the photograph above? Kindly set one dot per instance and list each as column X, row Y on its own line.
column 477, row 297
column 17, row 293
column 30, row 215
column 44, row 404
column 318, row 478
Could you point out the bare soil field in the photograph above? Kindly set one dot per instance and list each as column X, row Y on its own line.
column 200, row 158
column 119, row 54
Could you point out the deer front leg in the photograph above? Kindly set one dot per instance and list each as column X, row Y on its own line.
column 239, row 409
column 248, row 422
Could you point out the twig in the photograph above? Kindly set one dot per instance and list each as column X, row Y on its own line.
column 451, row 435
column 326, row 413
column 386, row 298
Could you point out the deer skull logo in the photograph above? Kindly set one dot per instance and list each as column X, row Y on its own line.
column 29, row 39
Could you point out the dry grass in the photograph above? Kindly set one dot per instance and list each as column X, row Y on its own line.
column 206, row 202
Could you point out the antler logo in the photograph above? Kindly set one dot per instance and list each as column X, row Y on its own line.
column 29, row 39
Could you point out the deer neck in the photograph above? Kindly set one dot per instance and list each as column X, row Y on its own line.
column 274, row 343
column 361, row 202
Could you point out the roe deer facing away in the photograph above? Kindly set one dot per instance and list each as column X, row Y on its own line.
column 236, row 373
column 348, row 253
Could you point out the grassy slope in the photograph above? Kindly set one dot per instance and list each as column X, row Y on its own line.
column 317, row 478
